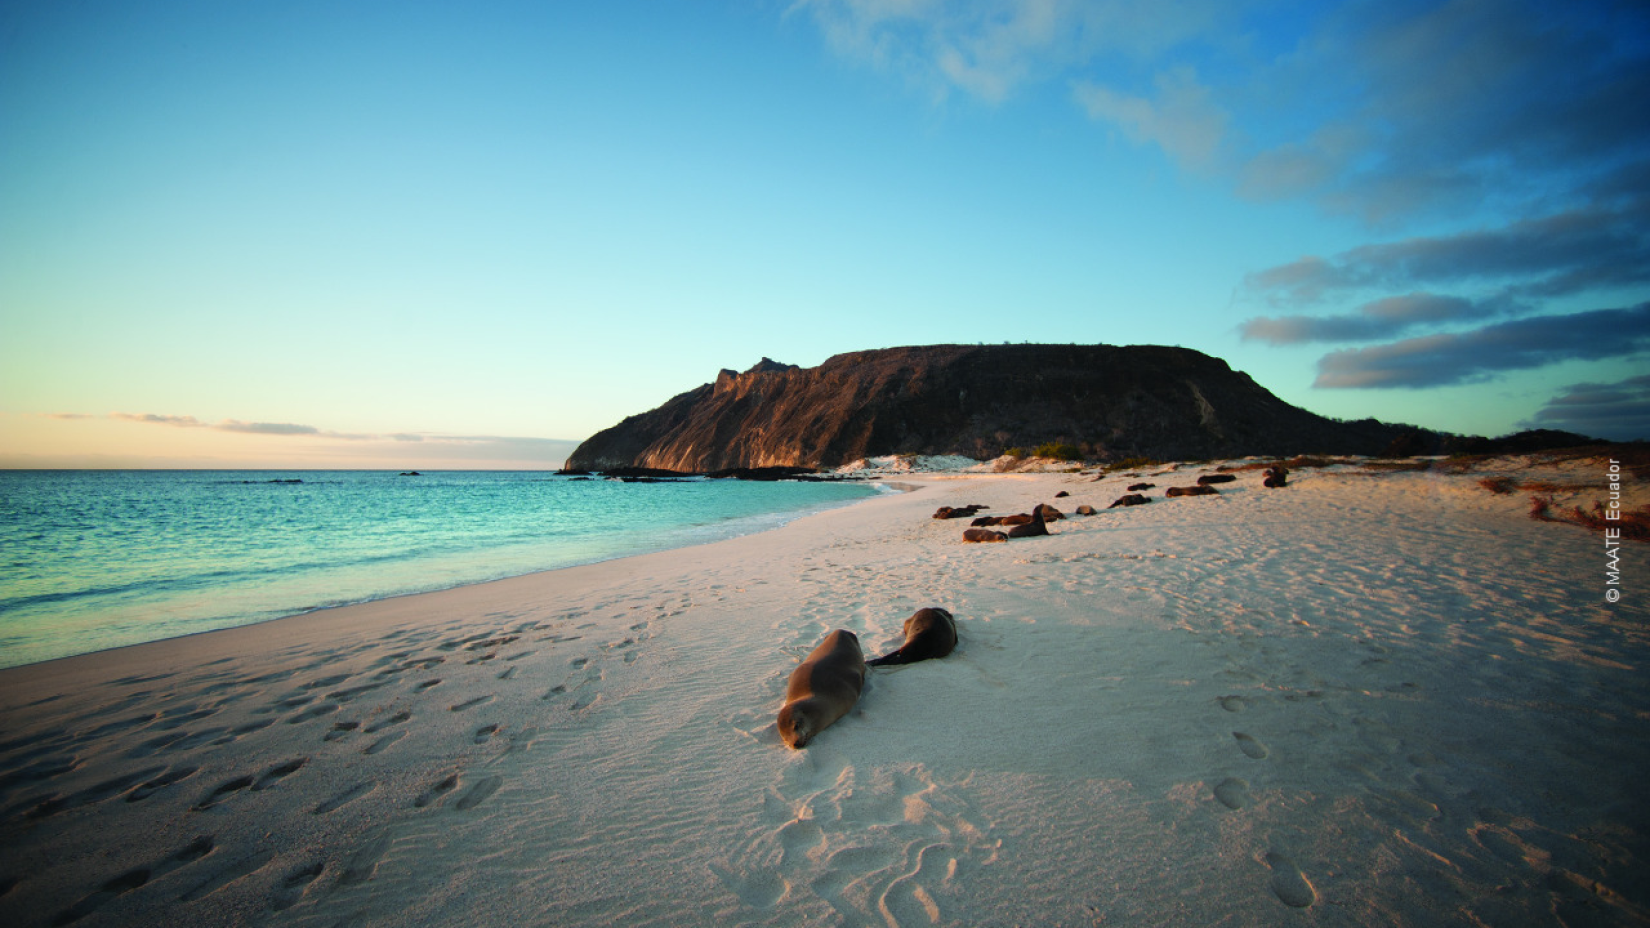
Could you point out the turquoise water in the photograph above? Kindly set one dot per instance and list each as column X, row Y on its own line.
column 99, row 559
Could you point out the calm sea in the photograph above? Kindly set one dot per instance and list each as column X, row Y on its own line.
column 99, row 559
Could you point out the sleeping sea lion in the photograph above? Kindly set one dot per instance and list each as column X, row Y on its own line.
column 822, row 688
column 930, row 632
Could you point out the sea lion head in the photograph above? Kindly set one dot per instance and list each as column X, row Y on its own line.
column 796, row 724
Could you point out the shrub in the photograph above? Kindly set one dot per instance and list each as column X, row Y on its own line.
column 1059, row 451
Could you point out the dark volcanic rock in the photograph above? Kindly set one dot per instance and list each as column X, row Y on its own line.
column 1116, row 402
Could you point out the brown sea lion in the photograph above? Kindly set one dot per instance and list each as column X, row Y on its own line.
column 930, row 632
column 1276, row 476
column 982, row 534
column 1030, row 529
column 1133, row 499
column 1086, row 510
column 822, row 688
column 1199, row 490
column 1208, row 479
column 1141, row 486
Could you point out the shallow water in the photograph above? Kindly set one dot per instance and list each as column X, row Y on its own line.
column 98, row 559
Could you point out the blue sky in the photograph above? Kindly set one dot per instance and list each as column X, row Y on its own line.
column 420, row 234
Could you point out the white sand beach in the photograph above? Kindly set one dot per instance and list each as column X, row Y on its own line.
column 1363, row 699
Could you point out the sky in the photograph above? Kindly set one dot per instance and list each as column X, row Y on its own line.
column 457, row 235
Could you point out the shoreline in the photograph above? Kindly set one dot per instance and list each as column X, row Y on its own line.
column 1384, row 698
column 336, row 587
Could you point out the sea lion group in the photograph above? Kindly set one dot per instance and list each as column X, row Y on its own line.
column 827, row 684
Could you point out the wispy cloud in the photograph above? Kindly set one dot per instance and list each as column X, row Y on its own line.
column 1388, row 317
column 227, row 425
column 1182, row 117
column 1467, row 357
column 462, row 446
column 1618, row 411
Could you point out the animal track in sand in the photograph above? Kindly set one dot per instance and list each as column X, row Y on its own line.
column 340, row 730
column 1288, row 883
column 1233, row 703
column 1251, row 746
column 1232, row 793
column 472, row 703
column 485, row 733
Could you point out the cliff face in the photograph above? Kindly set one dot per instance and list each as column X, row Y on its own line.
column 1114, row 402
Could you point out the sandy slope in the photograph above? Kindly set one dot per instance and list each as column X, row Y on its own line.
column 1362, row 699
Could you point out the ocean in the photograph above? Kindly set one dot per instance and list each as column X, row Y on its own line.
column 91, row 560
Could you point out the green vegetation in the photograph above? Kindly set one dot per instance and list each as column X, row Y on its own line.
column 1059, row 451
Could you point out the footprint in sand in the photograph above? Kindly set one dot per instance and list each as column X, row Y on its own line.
column 344, row 798
column 145, row 790
column 1233, row 703
column 223, row 791
column 341, row 730
column 132, row 879
column 479, row 793
column 314, row 712
column 377, row 747
column 1232, row 793
column 1288, row 883
column 292, row 887
column 436, row 791
column 106, row 893
column 384, row 723
column 92, row 794
column 278, row 773
column 485, row 733
column 471, row 703
column 361, row 865
column 1251, row 746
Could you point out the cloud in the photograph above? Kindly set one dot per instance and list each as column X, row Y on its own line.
column 490, row 449
column 1618, row 411
column 991, row 48
column 266, row 428
column 1562, row 254
column 1470, row 357
column 227, row 425
column 1388, row 317
column 1182, row 119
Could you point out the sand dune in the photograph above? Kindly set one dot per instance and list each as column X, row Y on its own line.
column 1362, row 699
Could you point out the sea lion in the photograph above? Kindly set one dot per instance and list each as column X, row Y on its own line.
column 1133, row 487
column 1087, row 510
column 1208, row 479
column 822, row 688
column 1276, row 476
column 1201, row 489
column 1133, row 499
column 930, row 632
column 1030, row 529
